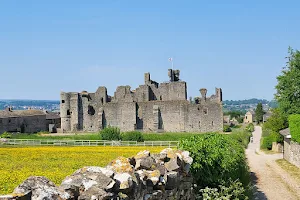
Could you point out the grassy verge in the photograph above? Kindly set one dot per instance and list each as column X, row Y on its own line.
column 289, row 168
column 168, row 136
column 96, row 136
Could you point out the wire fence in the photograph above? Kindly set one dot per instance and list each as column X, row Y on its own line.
column 35, row 142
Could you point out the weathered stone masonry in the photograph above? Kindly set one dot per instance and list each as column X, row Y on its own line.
column 151, row 107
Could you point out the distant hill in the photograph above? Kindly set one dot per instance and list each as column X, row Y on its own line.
column 51, row 105
column 247, row 104
column 247, row 101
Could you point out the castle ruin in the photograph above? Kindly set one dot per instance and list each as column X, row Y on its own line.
column 152, row 107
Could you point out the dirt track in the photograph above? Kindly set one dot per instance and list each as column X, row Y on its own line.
column 271, row 182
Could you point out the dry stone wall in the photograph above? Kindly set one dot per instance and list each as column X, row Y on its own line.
column 292, row 152
column 146, row 176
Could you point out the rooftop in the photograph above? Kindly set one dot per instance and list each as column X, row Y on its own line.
column 285, row 132
column 20, row 113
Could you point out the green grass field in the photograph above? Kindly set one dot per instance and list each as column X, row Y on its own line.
column 97, row 136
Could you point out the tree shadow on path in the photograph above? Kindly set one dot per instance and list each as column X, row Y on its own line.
column 257, row 194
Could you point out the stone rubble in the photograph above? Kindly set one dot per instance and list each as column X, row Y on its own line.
column 163, row 176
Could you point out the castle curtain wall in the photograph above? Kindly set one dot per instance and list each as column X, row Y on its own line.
column 151, row 107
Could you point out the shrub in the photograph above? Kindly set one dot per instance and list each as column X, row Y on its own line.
column 276, row 121
column 132, row 136
column 240, row 119
column 243, row 137
column 276, row 137
column 235, row 126
column 266, row 143
column 6, row 135
column 110, row 133
column 265, row 132
column 235, row 190
column 226, row 128
column 43, row 133
column 250, row 127
column 294, row 125
column 217, row 158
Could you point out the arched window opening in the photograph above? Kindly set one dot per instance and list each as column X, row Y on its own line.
column 91, row 110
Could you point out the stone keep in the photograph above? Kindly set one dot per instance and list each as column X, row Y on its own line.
column 152, row 107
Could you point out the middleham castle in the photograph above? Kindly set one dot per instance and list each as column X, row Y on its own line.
column 152, row 107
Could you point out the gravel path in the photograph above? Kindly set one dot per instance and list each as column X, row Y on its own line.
column 271, row 182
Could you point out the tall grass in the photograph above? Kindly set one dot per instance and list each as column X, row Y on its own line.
column 167, row 136
column 96, row 136
column 59, row 137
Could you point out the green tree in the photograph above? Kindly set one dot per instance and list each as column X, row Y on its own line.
column 259, row 113
column 276, row 121
column 288, row 87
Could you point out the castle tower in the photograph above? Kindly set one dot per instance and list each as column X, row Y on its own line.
column 219, row 94
column 65, row 112
column 147, row 78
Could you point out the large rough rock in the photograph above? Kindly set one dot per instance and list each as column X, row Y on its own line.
column 121, row 165
column 161, row 176
column 40, row 188
column 88, row 177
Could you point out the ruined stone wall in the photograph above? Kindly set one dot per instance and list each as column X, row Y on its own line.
column 122, row 115
column 123, row 94
column 146, row 176
column 181, row 116
column 24, row 124
column 204, row 117
column 74, row 111
column 170, row 115
column 65, row 111
column 173, row 91
column 142, row 94
column 101, row 95
column 151, row 107
column 291, row 152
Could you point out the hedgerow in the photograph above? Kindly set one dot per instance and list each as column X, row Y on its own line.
column 217, row 158
column 294, row 125
column 132, row 136
column 110, row 133
column 243, row 137
column 226, row 128
column 250, row 127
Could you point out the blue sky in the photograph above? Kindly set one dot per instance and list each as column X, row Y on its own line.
column 50, row 46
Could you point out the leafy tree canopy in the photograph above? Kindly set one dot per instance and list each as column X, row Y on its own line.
column 288, row 87
column 259, row 112
column 276, row 121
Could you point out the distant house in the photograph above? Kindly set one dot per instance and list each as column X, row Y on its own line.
column 266, row 116
column 291, row 149
column 226, row 119
column 53, row 121
column 24, row 121
column 249, row 117
column 234, row 121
